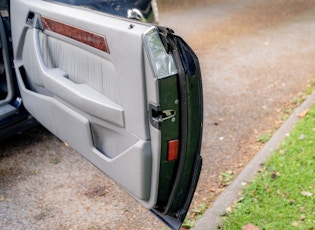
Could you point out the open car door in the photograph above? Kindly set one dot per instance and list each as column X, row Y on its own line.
column 124, row 94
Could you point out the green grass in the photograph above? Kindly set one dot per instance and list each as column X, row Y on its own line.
column 282, row 196
column 264, row 138
column 196, row 214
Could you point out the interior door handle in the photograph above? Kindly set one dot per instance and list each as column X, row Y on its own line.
column 33, row 20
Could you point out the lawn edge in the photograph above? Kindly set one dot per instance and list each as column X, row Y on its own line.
column 212, row 217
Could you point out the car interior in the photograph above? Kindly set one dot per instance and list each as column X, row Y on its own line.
column 6, row 82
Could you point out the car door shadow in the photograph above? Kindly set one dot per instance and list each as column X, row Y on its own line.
column 19, row 142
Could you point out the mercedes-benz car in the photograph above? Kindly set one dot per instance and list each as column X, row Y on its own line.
column 106, row 79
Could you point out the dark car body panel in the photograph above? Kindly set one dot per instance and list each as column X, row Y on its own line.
column 189, row 86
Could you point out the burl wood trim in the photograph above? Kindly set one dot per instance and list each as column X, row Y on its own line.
column 91, row 39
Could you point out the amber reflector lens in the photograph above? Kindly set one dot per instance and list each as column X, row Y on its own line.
column 172, row 153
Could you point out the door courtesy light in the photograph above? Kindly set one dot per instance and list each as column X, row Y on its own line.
column 172, row 152
column 163, row 63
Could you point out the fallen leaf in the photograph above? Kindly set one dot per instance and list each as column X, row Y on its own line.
column 250, row 227
column 274, row 175
column 303, row 114
column 308, row 194
column 295, row 224
column 240, row 199
column 96, row 191
column 230, row 172
column 228, row 210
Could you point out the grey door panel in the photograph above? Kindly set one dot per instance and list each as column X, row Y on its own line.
column 94, row 100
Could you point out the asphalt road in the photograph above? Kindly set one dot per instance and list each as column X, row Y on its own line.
column 257, row 60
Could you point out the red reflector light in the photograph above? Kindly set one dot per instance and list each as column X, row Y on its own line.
column 172, row 152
